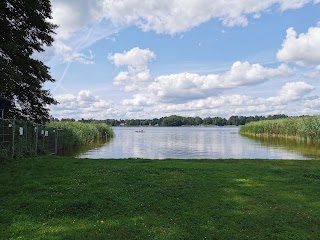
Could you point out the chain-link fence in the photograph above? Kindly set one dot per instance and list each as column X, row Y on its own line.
column 21, row 138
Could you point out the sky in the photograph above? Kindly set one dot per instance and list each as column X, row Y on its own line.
column 144, row 59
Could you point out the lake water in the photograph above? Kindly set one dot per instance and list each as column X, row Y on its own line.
column 195, row 143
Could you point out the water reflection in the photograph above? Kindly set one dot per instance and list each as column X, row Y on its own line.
column 79, row 150
column 308, row 149
column 191, row 143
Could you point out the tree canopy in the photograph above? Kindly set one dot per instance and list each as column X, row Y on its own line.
column 25, row 29
column 175, row 120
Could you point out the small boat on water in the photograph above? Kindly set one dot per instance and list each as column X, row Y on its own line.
column 140, row 131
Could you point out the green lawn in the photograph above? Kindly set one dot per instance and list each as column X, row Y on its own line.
column 67, row 198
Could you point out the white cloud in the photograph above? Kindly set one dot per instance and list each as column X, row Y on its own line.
column 166, row 16
column 84, row 104
column 83, row 22
column 72, row 16
column 291, row 99
column 226, row 105
column 66, row 98
column 80, row 24
column 134, row 80
column 70, row 55
column 292, row 4
column 295, row 90
column 139, row 100
column 204, row 95
column 86, row 96
column 138, row 75
column 290, row 92
column 314, row 73
column 313, row 104
column 303, row 49
column 134, row 58
column 236, row 104
column 244, row 73
column 176, row 16
column 190, row 93
column 187, row 86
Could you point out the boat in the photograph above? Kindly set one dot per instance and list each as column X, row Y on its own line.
column 139, row 131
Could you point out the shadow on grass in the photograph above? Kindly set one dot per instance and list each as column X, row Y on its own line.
column 66, row 198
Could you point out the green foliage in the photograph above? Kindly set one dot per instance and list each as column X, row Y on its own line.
column 304, row 128
column 67, row 198
column 217, row 121
column 25, row 29
column 5, row 155
column 23, row 150
column 78, row 133
column 16, row 145
column 175, row 120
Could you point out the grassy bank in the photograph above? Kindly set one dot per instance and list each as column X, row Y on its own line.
column 301, row 128
column 67, row 198
column 77, row 133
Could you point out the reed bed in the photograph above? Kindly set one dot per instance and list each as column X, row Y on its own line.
column 77, row 133
column 300, row 128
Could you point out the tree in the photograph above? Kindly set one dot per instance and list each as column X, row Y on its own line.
column 219, row 121
column 172, row 120
column 25, row 29
column 198, row 121
column 233, row 120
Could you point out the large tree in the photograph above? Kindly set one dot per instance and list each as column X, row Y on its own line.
column 25, row 29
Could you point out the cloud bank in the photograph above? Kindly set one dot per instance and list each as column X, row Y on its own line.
column 185, row 86
column 93, row 20
column 184, row 93
column 84, row 104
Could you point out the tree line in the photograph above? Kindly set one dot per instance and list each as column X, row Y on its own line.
column 175, row 120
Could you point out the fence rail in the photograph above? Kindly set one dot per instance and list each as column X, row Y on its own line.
column 22, row 138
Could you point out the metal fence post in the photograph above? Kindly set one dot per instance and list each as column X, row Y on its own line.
column 26, row 134
column 37, row 133
column 13, row 136
column 56, row 142
column 17, row 138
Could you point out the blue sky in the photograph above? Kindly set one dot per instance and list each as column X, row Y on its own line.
column 128, row 59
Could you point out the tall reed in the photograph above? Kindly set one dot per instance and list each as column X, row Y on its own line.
column 302, row 128
column 77, row 133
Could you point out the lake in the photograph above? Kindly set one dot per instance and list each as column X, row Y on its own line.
column 195, row 143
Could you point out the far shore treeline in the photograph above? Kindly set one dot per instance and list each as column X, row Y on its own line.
column 175, row 120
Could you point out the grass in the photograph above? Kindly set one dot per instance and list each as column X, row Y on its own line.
column 68, row 198
column 79, row 134
column 300, row 128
